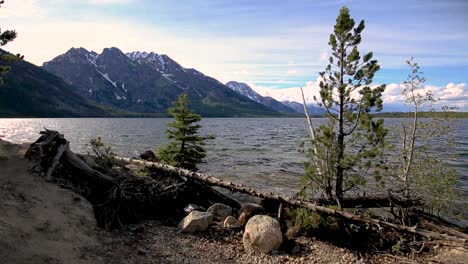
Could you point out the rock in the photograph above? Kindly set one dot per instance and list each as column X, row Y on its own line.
column 220, row 211
column 196, row 221
column 148, row 155
column 262, row 235
column 231, row 222
column 248, row 210
column 193, row 207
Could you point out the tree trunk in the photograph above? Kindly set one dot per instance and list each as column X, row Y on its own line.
column 294, row 202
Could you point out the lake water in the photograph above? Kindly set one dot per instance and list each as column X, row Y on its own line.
column 259, row 152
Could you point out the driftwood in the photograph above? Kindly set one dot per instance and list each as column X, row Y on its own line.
column 122, row 199
column 119, row 199
column 297, row 202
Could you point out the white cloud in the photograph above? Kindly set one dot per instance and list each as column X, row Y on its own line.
column 311, row 89
column 451, row 94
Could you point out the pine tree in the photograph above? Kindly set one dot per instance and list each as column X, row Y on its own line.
column 186, row 148
column 5, row 37
column 349, row 145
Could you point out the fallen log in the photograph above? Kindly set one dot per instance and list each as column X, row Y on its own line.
column 119, row 200
column 124, row 199
column 295, row 202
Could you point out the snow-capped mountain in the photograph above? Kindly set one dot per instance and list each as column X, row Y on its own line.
column 245, row 90
column 147, row 82
column 299, row 108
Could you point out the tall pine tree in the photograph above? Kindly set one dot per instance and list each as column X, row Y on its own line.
column 349, row 144
column 186, row 148
column 5, row 37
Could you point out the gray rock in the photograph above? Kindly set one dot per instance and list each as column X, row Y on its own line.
column 231, row 222
column 196, row 221
column 262, row 235
column 248, row 210
column 220, row 211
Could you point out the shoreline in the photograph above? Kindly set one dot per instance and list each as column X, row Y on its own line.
column 147, row 241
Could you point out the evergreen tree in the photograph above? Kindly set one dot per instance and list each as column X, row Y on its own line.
column 348, row 146
column 186, row 148
column 5, row 37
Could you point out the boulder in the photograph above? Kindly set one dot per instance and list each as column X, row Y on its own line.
column 262, row 235
column 220, row 211
column 248, row 210
column 196, row 221
column 148, row 155
column 231, row 222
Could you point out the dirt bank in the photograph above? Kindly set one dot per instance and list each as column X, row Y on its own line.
column 39, row 221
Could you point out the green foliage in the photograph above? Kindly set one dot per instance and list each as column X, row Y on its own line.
column 186, row 148
column 419, row 172
column 349, row 147
column 103, row 154
column 144, row 172
column 5, row 37
column 305, row 218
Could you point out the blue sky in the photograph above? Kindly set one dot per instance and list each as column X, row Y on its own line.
column 269, row 44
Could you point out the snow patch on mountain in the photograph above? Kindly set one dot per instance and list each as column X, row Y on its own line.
column 245, row 90
column 106, row 76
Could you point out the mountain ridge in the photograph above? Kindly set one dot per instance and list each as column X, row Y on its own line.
column 29, row 91
column 148, row 83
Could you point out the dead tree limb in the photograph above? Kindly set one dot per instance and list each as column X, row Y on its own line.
column 295, row 202
column 119, row 199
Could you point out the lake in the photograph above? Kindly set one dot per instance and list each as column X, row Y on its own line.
column 259, row 152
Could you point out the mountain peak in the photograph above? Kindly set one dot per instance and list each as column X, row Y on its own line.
column 112, row 51
column 245, row 90
column 75, row 55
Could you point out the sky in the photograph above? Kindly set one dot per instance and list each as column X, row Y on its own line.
column 274, row 46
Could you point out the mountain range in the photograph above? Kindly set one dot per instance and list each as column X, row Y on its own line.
column 29, row 91
column 148, row 83
column 85, row 83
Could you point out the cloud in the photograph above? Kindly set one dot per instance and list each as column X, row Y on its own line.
column 311, row 89
column 449, row 95
column 452, row 94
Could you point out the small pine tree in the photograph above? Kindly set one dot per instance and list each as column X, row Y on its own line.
column 5, row 37
column 186, row 148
